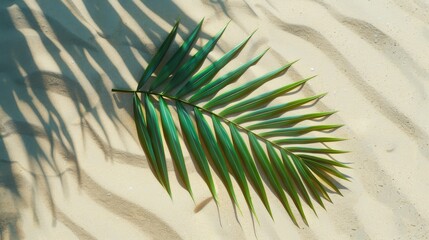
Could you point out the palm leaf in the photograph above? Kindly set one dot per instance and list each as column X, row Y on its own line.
column 292, row 163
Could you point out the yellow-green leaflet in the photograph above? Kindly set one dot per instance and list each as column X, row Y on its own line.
column 245, row 89
column 262, row 159
column 265, row 98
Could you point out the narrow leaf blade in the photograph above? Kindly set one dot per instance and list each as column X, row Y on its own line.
column 306, row 176
column 192, row 64
column 156, row 138
column 297, row 131
column 292, row 171
column 209, row 72
column 144, row 138
column 269, row 112
column 215, row 153
column 307, row 140
column 286, row 179
column 233, row 160
column 156, row 60
column 250, row 166
column 177, row 58
column 288, row 121
column 262, row 99
column 243, row 90
column 325, row 178
column 322, row 160
column 173, row 143
column 224, row 80
column 195, row 147
column 326, row 168
column 269, row 172
column 315, row 150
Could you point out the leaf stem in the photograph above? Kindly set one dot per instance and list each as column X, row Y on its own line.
column 123, row 91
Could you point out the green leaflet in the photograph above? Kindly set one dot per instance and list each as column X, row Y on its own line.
column 307, row 140
column 195, row 147
column 316, row 188
column 156, row 139
column 266, row 113
column 215, row 153
column 292, row 172
column 156, row 60
column 306, row 177
column 316, row 183
column 269, row 172
column 276, row 162
column 245, row 89
column 325, row 167
column 221, row 82
column 192, row 64
column 176, row 59
column 233, row 160
column 315, row 150
column 144, row 137
column 249, row 165
column 322, row 175
column 298, row 131
column 288, row 121
column 321, row 160
column 263, row 99
column 173, row 143
column 209, row 72
column 288, row 167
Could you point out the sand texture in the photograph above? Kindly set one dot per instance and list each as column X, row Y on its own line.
column 71, row 166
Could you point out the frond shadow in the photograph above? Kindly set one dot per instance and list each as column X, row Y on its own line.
column 82, row 54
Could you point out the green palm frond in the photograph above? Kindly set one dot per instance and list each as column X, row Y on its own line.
column 279, row 148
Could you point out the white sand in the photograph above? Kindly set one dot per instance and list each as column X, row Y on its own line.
column 70, row 163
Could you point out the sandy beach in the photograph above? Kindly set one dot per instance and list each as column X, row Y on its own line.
column 71, row 166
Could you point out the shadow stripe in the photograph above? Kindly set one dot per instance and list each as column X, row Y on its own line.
column 140, row 217
column 80, row 232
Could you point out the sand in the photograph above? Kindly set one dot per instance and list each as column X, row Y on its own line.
column 70, row 163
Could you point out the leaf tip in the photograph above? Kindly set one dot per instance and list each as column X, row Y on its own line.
column 331, row 113
column 202, row 20
column 293, row 62
column 177, row 21
column 321, row 95
column 254, row 31
column 309, row 78
column 266, row 50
